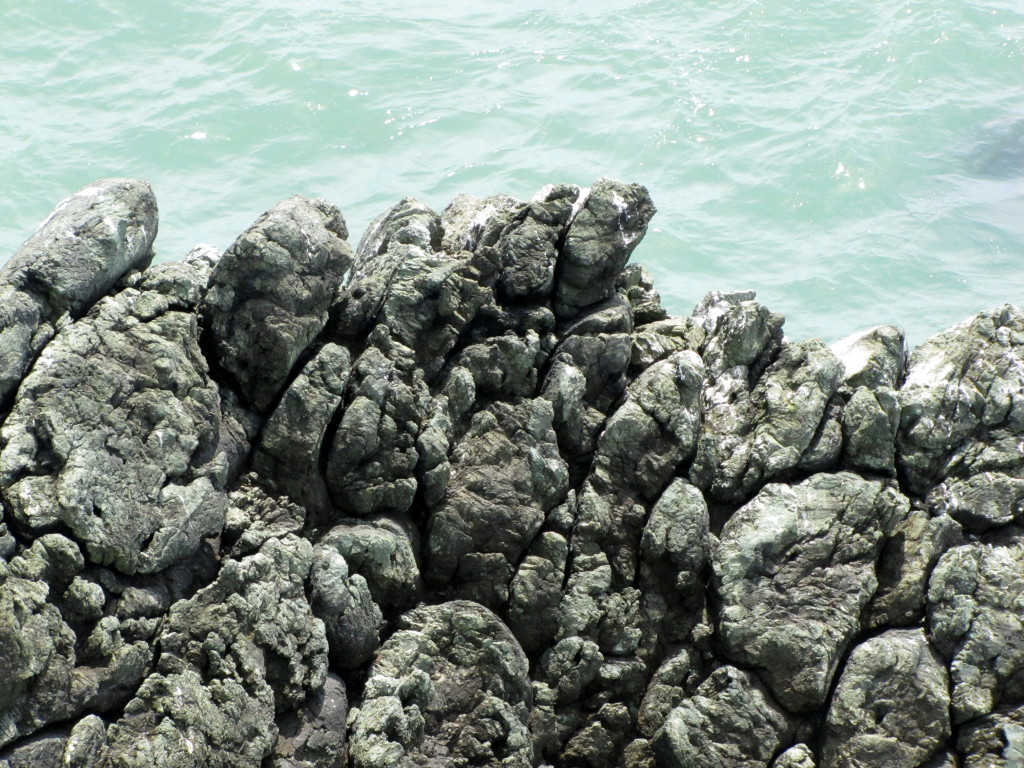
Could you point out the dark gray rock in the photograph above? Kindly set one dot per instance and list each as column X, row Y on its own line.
column 408, row 222
column 657, row 340
column 407, row 227
column 797, row 756
column 449, row 687
column 75, row 257
column 527, row 249
column 994, row 741
column 430, row 301
column 675, row 681
column 288, row 455
column 586, row 379
column 85, row 245
column 655, row 429
column 37, row 658
column 906, row 563
column 506, row 474
column 254, row 517
column 384, row 552
column 875, row 358
column 114, row 432
column 962, row 402
column 372, row 458
column 637, row 287
column 45, row 750
column 730, row 721
column 343, row 602
column 226, row 484
column 795, row 570
column 535, row 594
column 738, row 333
column 81, row 747
column 982, row 501
column 891, row 706
column 314, row 737
column 270, row 293
column 241, row 650
column 469, row 222
column 975, row 622
column 610, row 223
column 785, row 423
column 676, row 544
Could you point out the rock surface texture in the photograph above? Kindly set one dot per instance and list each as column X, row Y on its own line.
column 465, row 495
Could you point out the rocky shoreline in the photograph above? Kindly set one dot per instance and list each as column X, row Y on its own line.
column 465, row 495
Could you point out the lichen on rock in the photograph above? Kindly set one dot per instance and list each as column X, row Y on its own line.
column 467, row 495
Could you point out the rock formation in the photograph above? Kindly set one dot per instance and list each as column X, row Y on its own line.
column 465, row 495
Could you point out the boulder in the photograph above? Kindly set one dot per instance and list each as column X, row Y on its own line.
column 975, row 622
column 450, row 685
column 270, row 293
column 962, row 407
column 891, row 706
column 611, row 221
column 114, row 433
column 794, row 572
column 730, row 722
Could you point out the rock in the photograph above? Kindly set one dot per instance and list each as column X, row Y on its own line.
column 85, row 245
column 71, row 261
column 23, row 333
column 975, row 622
column 213, row 699
column 431, row 299
column 254, row 517
column 114, row 434
column 372, row 459
column 506, row 474
column 794, row 572
column 730, row 721
column 451, row 684
column 747, row 441
column 242, row 492
column 797, row 756
column 910, row 554
column 962, row 408
column 468, row 221
column 535, row 594
column 636, row 285
column 408, row 222
column 891, row 706
column 655, row 430
column 270, row 293
column 980, row 502
column 875, row 358
column 870, row 421
column 586, row 379
column 315, row 736
column 407, row 227
column 43, row 751
column 528, row 246
column 611, row 222
column 343, row 602
column 288, row 455
column 738, row 333
column 675, row 543
column 657, row 340
column 675, row 681
column 37, row 657
column 994, row 741
column 384, row 552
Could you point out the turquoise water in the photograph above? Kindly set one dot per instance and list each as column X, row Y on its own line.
column 854, row 163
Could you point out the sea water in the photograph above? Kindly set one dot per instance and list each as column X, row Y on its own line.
column 855, row 163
